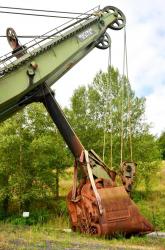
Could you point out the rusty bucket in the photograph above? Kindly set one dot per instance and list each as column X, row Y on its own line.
column 119, row 213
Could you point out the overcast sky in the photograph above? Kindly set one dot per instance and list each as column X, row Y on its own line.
column 145, row 42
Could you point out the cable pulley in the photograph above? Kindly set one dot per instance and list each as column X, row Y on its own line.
column 12, row 38
column 120, row 21
column 104, row 41
column 14, row 43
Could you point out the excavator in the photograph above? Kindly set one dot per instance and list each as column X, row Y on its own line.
column 96, row 204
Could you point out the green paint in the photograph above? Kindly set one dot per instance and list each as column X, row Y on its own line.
column 54, row 59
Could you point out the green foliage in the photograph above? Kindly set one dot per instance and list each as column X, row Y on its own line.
column 36, row 217
column 146, row 172
column 158, row 219
column 61, row 208
column 96, row 111
column 33, row 156
column 108, row 109
column 161, row 142
column 15, row 157
column 151, row 205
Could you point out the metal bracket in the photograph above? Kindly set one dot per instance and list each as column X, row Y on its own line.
column 31, row 72
column 93, row 182
column 128, row 174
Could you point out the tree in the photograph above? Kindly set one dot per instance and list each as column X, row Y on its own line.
column 107, row 109
column 100, row 103
column 50, row 155
column 15, row 163
column 161, row 142
column 33, row 155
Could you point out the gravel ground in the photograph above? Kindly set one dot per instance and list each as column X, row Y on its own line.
column 21, row 244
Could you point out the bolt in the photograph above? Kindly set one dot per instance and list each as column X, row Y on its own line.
column 30, row 72
column 34, row 65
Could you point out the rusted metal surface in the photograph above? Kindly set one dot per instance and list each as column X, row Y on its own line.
column 18, row 49
column 120, row 214
column 96, row 205
column 127, row 174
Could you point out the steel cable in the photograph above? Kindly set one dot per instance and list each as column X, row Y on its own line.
column 40, row 15
column 108, row 88
column 128, row 96
column 45, row 11
column 41, row 10
column 125, row 73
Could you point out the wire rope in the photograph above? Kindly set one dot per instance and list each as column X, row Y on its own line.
column 121, row 133
column 36, row 15
column 56, row 31
column 108, row 83
column 45, row 11
column 128, row 96
column 41, row 10
column 30, row 36
column 122, row 106
column 125, row 74
column 111, row 123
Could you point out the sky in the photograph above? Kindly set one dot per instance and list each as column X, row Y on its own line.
column 145, row 46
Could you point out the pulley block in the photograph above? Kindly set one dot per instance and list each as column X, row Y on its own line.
column 18, row 49
column 104, row 42
column 120, row 21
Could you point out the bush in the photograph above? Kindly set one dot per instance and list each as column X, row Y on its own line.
column 61, row 208
column 37, row 217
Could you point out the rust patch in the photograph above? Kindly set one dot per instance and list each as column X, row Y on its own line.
column 120, row 214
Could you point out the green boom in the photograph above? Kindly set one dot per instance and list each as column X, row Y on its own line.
column 46, row 60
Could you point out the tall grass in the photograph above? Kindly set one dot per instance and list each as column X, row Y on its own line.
column 44, row 230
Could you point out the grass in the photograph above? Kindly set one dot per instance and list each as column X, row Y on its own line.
column 51, row 235
column 152, row 204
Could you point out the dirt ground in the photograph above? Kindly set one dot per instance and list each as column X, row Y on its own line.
column 14, row 238
column 55, row 245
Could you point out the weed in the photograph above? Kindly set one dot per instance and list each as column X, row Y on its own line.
column 40, row 216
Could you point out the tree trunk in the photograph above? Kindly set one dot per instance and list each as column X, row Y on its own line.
column 5, row 205
column 5, row 202
column 57, row 184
